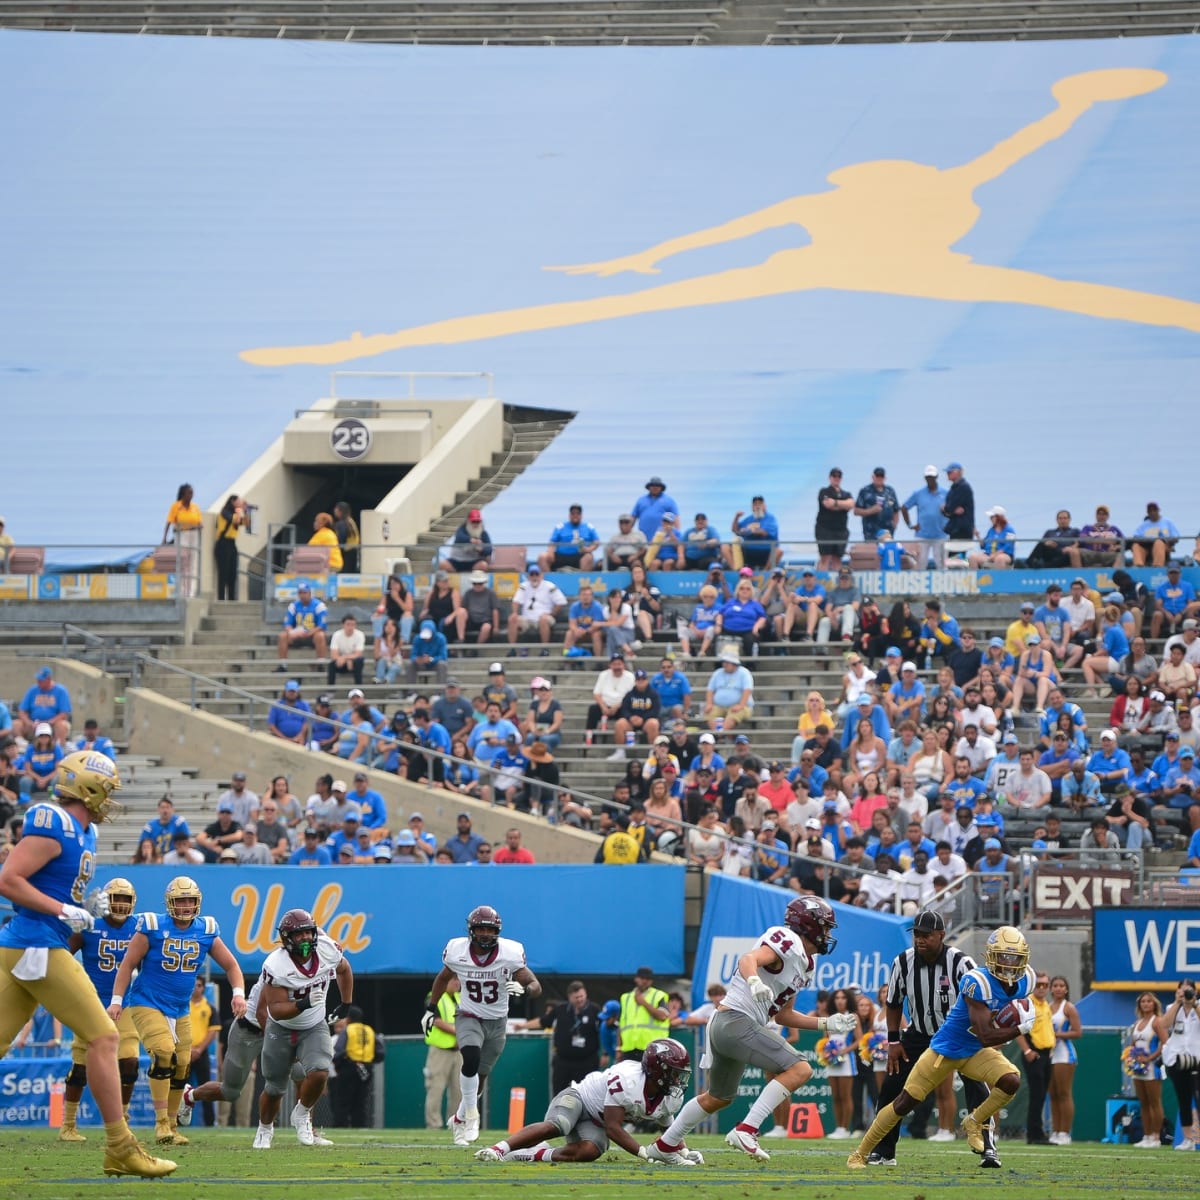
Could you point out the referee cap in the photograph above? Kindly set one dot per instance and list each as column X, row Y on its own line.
column 929, row 921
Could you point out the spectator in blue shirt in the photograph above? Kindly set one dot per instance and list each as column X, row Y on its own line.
column 346, row 836
column 906, row 700
column 1154, row 539
column 1142, row 781
column 649, row 509
column 877, row 505
column 771, row 856
column 1057, row 762
column 164, row 829
column 490, row 735
column 930, row 525
column 866, row 709
column 1193, row 850
column 322, row 733
column 357, row 699
column 39, row 762
column 1110, row 764
column 48, row 702
column 1056, row 705
column 891, row 554
column 1108, row 658
column 998, row 545
column 463, row 846
column 311, row 853
column 1080, row 788
column 673, row 688
column 701, row 545
column 939, row 633
column 288, row 718
column 573, row 544
column 429, row 653
column 371, row 807
column 303, row 625
column 1173, row 601
column 1181, row 784
column 757, row 535
column 807, row 602
column 743, row 616
column 585, row 620
column 93, row 739
column 6, row 721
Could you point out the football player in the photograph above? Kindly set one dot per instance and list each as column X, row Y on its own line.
column 46, row 877
column 296, row 1029
column 103, row 946
column 490, row 970
column 167, row 949
column 593, row 1112
column 969, row 1043
column 740, row 1034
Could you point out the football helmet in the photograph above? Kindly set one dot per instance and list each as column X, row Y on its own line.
column 298, row 933
column 91, row 778
column 812, row 918
column 1007, row 954
column 119, row 899
column 667, row 1065
column 183, row 891
column 483, row 925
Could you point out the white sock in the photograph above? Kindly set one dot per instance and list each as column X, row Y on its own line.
column 503, row 1147
column 690, row 1115
column 542, row 1153
column 470, row 1095
column 771, row 1096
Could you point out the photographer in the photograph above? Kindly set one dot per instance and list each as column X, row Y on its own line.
column 1180, row 1034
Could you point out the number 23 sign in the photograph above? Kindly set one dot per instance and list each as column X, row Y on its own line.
column 350, row 439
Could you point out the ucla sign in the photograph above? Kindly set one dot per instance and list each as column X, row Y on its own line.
column 1145, row 947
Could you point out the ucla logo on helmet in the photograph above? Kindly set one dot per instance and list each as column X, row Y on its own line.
column 101, row 764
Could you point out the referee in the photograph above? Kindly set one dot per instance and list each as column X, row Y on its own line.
column 927, row 977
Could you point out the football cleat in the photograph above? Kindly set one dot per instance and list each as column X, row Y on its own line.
column 458, row 1129
column 184, row 1115
column 471, row 1125
column 675, row 1158
column 320, row 1140
column 875, row 1159
column 943, row 1135
column 302, row 1123
column 856, row 1162
column 990, row 1159
column 129, row 1157
column 68, row 1133
column 747, row 1143
column 264, row 1136
column 693, row 1156
column 973, row 1132
column 489, row 1154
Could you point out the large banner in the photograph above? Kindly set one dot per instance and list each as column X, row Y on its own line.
column 1072, row 892
column 25, row 1085
column 599, row 920
column 1145, row 947
column 736, row 911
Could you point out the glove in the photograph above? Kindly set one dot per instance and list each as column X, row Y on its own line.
column 1028, row 1019
column 840, row 1023
column 693, row 1156
column 427, row 1019
column 642, row 1152
column 302, row 1002
column 759, row 991
column 100, row 906
column 78, row 919
column 515, row 988
column 332, row 1018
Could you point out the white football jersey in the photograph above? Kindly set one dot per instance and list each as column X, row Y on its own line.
column 795, row 974
column 252, row 1002
column 623, row 1085
column 281, row 970
column 483, row 980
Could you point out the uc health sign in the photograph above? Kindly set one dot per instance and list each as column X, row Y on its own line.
column 396, row 920
column 1145, row 947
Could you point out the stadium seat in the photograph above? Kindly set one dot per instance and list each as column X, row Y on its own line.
column 308, row 560
column 26, row 560
column 509, row 558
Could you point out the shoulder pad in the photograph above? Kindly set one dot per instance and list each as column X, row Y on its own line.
column 147, row 920
column 211, row 927
column 982, row 987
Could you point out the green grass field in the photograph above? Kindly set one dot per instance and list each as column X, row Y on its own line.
column 220, row 1165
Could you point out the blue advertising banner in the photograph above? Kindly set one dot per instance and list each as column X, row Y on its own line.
column 736, row 911
column 1145, row 947
column 25, row 1085
column 396, row 921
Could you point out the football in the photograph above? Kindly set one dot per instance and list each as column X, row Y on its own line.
column 1010, row 1016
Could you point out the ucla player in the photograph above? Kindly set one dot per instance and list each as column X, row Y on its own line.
column 169, row 948
column 46, row 877
column 103, row 947
column 967, row 1043
column 490, row 970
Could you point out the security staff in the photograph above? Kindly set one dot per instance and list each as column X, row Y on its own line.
column 576, row 1026
column 927, row 979
column 1035, row 1057
column 644, row 1015
column 355, row 1052
column 206, row 1028
column 443, row 1063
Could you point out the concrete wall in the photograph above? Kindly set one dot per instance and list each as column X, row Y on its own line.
column 93, row 693
column 164, row 727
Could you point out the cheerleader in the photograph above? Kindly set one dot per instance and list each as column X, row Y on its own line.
column 1065, row 1019
column 841, row 1069
column 1179, row 1031
column 872, row 1053
column 1143, row 1063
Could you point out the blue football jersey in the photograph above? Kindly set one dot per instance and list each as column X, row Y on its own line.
column 955, row 1039
column 103, row 948
column 168, row 972
column 64, row 878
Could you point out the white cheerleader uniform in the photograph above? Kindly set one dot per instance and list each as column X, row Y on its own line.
column 1144, row 1040
column 1064, row 1048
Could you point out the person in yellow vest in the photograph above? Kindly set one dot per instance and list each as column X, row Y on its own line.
column 644, row 1016
column 1035, row 1047
column 355, row 1052
column 206, row 1026
column 621, row 847
column 443, row 1063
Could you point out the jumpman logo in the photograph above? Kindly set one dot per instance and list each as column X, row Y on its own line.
column 886, row 227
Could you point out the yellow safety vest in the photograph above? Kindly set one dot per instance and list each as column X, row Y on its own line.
column 1041, row 1036
column 620, row 849
column 360, row 1043
column 447, row 1009
column 638, row 1027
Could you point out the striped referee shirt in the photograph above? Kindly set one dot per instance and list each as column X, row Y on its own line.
column 930, row 989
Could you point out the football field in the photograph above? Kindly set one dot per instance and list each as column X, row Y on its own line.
column 372, row 1165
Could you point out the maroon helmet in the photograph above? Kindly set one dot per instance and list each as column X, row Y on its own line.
column 483, row 924
column 666, row 1064
column 812, row 918
column 298, row 933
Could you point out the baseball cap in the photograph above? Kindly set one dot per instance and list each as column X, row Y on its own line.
column 405, row 838
column 987, row 819
column 747, row 572
column 324, row 698
column 892, row 652
column 1117, row 598
column 364, row 832
column 338, row 785
column 474, row 515
column 1191, row 623
column 1011, row 739
column 1033, row 639
column 360, row 775
column 879, row 471
column 814, row 824
column 768, row 825
column 383, row 854
column 302, row 585
column 312, row 831
column 1173, row 569
column 426, row 630
column 225, row 806
column 533, row 569
column 453, row 682
column 908, row 666
column 538, row 681
column 1187, row 752
column 625, row 517
column 611, row 1009
column 775, row 766
column 997, row 510
column 741, row 740
column 954, row 466
column 865, row 701
column 495, row 669
column 416, row 817
column 351, row 814
column 808, row 573
column 43, row 729
column 997, row 641
column 1173, row 736
column 44, row 674
column 345, row 851
column 1028, row 606
column 478, row 577
column 707, row 739
column 229, row 854
column 831, row 805
column 640, row 674
column 1108, row 736
column 993, row 844
column 239, row 776
column 931, row 472
column 292, row 685
column 662, row 740
column 356, row 694
column 929, row 921
column 730, row 656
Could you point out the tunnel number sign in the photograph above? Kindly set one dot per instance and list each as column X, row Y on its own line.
column 350, row 439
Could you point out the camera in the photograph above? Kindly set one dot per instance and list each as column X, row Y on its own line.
column 1189, row 993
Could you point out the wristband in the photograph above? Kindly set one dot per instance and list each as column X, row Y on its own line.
column 239, row 992
column 117, row 1000
column 822, row 1024
column 893, row 1038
